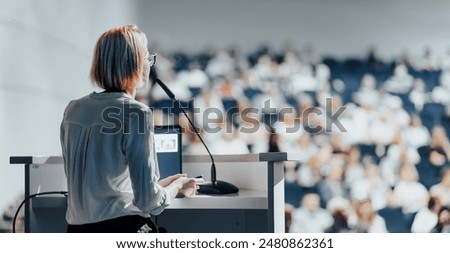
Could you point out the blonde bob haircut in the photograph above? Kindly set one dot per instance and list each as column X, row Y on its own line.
column 118, row 61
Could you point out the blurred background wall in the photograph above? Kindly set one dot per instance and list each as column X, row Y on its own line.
column 46, row 45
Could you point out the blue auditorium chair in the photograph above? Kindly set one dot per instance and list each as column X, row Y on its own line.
column 432, row 114
column 396, row 221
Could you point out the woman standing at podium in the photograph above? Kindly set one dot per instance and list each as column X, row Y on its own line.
column 107, row 144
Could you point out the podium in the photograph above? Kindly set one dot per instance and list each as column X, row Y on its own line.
column 257, row 207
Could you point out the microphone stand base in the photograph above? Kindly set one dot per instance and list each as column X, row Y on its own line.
column 217, row 188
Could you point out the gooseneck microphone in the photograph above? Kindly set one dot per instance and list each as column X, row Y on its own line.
column 209, row 187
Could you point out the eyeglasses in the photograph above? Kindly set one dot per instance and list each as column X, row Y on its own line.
column 152, row 59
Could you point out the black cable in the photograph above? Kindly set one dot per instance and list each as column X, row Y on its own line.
column 30, row 197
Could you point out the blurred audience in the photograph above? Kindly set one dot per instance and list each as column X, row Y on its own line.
column 371, row 132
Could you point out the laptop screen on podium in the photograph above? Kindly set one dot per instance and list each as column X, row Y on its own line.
column 168, row 149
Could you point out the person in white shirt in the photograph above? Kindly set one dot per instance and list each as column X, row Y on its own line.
column 303, row 146
column 399, row 117
column 427, row 217
column 401, row 81
column 229, row 143
column 108, row 147
column 371, row 186
column 367, row 92
column 290, row 66
column 303, row 81
column 416, row 135
column 418, row 96
column 354, row 169
column 310, row 217
column 308, row 175
column 441, row 93
column 332, row 185
column 382, row 130
column 442, row 190
column 288, row 128
column 252, row 131
column 408, row 192
column 207, row 108
column 195, row 146
column 195, row 77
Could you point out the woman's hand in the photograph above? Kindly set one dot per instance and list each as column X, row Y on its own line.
column 170, row 179
column 189, row 188
column 180, row 186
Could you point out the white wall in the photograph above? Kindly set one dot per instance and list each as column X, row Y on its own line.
column 337, row 27
column 45, row 48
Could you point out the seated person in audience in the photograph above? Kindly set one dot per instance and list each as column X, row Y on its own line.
column 367, row 92
column 308, row 175
column 288, row 128
column 408, row 192
column 332, row 185
column 340, row 222
column 427, row 217
column 416, row 135
column 357, row 120
column 442, row 190
column 254, row 132
column 434, row 157
column 441, row 93
column 401, row 82
column 221, row 64
column 382, row 130
column 426, row 62
column 440, row 144
column 209, row 106
column 195, row 77
column 322, row 75
column 366, row 220
column 398, row 148
column 290, row 66
column 371, row 186
column 398, row 115
column 195, row 146
column 337, row 144
column 310, row 217
column 443, row 225
column 354, row 169
column 264, row 69
column 397, row 155
column 229, row 143
column 341, row 210
column 229, row 90
column 418, row 96
column 303, row 146
column 304, row 80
